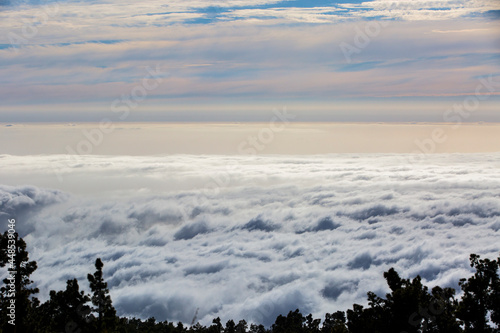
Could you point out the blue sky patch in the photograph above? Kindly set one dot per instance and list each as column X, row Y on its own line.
column 363, row 66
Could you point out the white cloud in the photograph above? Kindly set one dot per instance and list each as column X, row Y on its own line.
column 313, row 232
column 416, row 10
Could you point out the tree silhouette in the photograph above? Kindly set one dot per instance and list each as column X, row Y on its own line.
column 407, row 304
column 14, row 255
column 408, row 308
column 68, row 310
column 230, row 327
column 292, row 323
column 254, row 328
column 481, row 296
column 217, row 326
column 335, row 323
column 101, row 299
column 360, row 320
column 312, row 325
column 241, row 327
column 443, row 308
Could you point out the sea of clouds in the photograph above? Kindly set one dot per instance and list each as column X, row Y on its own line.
column 251, row 237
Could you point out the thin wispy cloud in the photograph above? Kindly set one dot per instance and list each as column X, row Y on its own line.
column 77, row 53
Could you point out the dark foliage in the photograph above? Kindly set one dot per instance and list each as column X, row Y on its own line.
column 106, row 313
column 481, row 296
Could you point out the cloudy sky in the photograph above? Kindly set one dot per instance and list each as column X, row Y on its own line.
column 234, row 60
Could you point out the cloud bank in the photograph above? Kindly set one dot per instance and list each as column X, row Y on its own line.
column 253, row 237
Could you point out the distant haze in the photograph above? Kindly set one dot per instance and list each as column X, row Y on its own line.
column 275, row 137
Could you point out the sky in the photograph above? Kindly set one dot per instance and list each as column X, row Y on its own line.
column 236, row 60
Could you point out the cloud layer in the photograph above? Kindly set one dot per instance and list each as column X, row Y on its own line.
column 253, row 237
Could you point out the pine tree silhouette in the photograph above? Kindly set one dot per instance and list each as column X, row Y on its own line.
column 68, row 309
column 106, row 320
